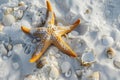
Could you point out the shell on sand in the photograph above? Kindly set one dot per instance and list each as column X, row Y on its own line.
column 8, row 20
column 68, row 74
column 110, row 53
column 95, row 76
column 65, row 67
column 54, row 72
column 88, row 58
column 79, row 72
column 30, row 77
column 8, row 11
column 21, row 3
column 42, row 62
column 116, row 63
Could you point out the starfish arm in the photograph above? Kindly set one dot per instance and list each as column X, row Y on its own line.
column 34, row 31
column 64, row 47
column 55, row 21
column 49, row 7
column 39, row 51
column 65, row 30
column 51, row 15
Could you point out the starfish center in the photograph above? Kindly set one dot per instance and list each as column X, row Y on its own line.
column 51, row 29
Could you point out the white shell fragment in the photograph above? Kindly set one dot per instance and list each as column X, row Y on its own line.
column 17, row 48
column 87, row 58
column 116, row 63
column 8, row 11
column 79, row 72
column 8, row 20
column 68, row 74
column 54, row 72
column 110, row 53
column 107, row 40
column 65, row 67
column 95, row 76
column 43, row 61
column 30, row 77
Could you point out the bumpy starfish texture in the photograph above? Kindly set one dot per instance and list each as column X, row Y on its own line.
column 50, row 34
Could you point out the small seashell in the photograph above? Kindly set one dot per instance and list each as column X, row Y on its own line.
column 17, row 48
column 116, row 63
column 110, row 53
column 68, row 73
column 21, row 3
column 65, row 67
column 30, row 77
column 43, row 61
column 57, row 55
column 34, row 40
column 8, row 20
column 95, row 76
column 79, row 72
column 53, row 60
column 87, row 58
column 8, row 11
column 107, row 40
column 1, row 27
column 54, row 72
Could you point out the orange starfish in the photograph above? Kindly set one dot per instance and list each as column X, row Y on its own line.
column 51, row 34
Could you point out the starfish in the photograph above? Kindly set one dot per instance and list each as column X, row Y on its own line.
column 51, row 34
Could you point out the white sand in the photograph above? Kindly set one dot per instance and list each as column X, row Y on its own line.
column 99, row 29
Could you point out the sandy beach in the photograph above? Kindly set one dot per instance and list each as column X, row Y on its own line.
column 96, row 40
